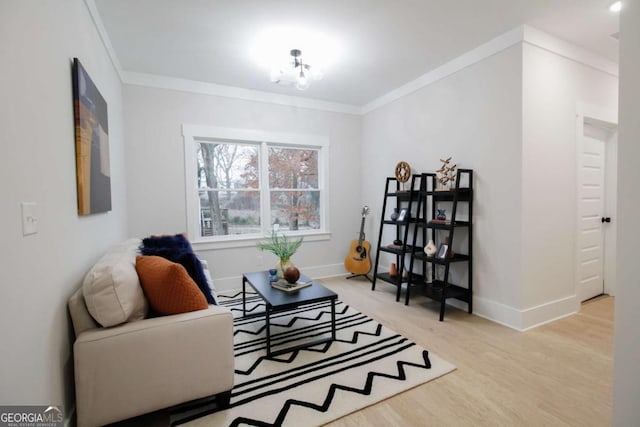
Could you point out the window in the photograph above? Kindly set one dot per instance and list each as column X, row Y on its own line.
column 243, row 184
column 228, row 190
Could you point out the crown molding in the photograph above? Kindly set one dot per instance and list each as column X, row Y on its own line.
column 104, row 37
column 546, row 41
column 465, row 60
column 184, row 85
column 521, row 34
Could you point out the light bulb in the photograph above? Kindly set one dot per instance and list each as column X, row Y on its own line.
column 302, row 83
column 616, row 7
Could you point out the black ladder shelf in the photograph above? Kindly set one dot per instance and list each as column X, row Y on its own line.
column 438, row 286
column 401, row 199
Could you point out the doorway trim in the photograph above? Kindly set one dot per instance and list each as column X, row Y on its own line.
column 596, row 113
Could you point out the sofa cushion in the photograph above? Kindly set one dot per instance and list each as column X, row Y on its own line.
column 168, row 286
column 80, row 316
column 176, row 248
column 111, row 288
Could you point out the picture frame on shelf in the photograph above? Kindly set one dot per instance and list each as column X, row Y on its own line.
column 403, row 215
column 443, row 251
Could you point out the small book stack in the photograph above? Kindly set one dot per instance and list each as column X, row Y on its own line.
column 441, row 221
column 285, row 286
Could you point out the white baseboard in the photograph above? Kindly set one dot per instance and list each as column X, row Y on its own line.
column 523, row 320
column 497, row 312
column 316, row 272
column 550, row 311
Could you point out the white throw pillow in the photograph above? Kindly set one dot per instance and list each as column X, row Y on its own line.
column 112, row 289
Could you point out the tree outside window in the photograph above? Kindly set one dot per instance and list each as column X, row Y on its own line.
column 230, row 182
column 228, row 203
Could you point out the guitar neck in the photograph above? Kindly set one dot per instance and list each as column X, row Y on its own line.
column 361, row 236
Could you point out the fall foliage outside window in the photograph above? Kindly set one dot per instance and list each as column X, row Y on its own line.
column 242, row 193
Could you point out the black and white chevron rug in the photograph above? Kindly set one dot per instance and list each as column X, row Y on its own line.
column 309, row 387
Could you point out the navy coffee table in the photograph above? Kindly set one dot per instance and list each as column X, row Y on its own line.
column 277, row 301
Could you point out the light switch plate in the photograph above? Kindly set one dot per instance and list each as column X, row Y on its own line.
column 29, row 218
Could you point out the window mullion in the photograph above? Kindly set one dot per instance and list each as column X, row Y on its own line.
column 323, row 174
column 265, row 193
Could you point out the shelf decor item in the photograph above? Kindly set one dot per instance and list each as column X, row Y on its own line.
column 446, row 175
column 403, row 173
column 403, row 216
column 441, row 214
column 282, row 247
column 291, row 274
column 430, row 249
column 442, row 251
column 447, row 242
column 285, row 286
column 393, row 270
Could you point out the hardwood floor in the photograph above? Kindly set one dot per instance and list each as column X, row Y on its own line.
column 558, row 374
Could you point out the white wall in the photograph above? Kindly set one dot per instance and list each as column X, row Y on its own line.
column 155, row 166
column 626, row 377
column 38, row 41
column 553, row 87
column 512, row 118
column 473, row 115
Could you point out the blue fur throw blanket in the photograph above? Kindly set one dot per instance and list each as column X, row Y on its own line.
column 178, row 249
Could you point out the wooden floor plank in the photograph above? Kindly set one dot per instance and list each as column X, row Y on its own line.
column 558, row 374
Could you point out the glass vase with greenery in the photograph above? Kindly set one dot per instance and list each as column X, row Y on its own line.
column 282, row 247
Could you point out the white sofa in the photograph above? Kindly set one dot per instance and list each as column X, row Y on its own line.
column 137, row 367
column 140, row 367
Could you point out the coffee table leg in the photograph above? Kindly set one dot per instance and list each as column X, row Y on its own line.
column 333, row 319
column 244, row 296
column 268, row 318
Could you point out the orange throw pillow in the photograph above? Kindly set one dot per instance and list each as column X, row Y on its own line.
column 168, row 286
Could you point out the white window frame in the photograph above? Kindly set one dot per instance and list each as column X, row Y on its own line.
column 194, row 134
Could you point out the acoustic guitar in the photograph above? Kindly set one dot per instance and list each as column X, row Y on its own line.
column 358, row 261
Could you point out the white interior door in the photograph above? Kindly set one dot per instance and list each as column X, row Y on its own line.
column 590, row 213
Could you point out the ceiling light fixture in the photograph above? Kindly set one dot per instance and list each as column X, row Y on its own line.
column 616, row 7
column 297, row 72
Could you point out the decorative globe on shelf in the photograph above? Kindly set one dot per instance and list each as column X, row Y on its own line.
column 291, row 274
